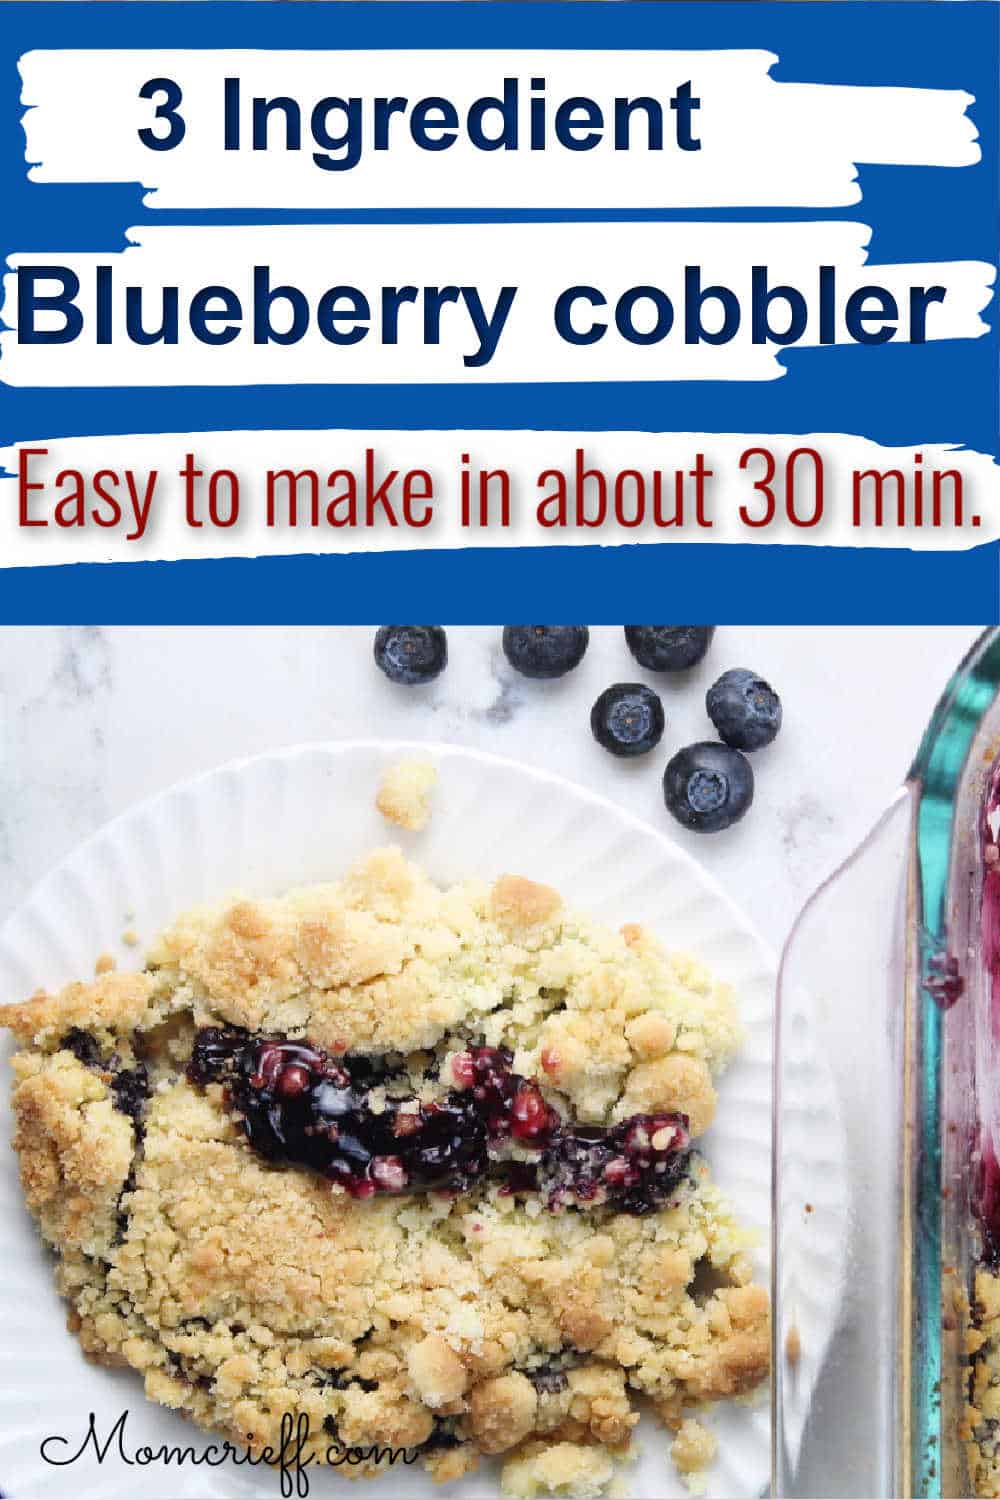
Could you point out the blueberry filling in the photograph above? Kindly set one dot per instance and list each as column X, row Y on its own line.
column 944, row 982
column 130, row 1090
column 83, row 1047
column 548, row 1379
column 339, row 1380
column 129, row 1093
column 300, row 1106
column 635, row 1165
column 443, row 1436
column 129, row 1086
column 121, row 1214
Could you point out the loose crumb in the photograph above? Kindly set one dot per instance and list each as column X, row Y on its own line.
column 693, row 1448
column 793, row 1347
column 404, row 794
column 130, row 938
column 576, row 1469
column 104, row 965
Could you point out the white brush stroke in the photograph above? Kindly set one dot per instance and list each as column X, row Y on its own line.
column 541, row 260
column 524, row 453
column 764, row 143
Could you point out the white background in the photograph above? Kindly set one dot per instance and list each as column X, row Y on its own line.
column 93, row 719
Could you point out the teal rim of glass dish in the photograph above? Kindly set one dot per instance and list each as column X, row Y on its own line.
column 937, row 770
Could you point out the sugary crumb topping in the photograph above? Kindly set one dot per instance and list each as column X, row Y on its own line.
column 404, row 794
column 453, row 1324
column 694, row 1447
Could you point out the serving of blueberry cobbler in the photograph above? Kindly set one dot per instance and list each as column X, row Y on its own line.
column 403, row 1160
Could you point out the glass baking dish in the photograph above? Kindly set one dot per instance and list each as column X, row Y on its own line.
column 884, row 1114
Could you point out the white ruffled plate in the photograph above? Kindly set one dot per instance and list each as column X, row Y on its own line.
column 284, row 819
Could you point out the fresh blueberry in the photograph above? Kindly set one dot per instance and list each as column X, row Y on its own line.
column 545, row 650
column 745, row 710
column 411, row 654
column 707, row 786
column 668, row 648
column 627, row 719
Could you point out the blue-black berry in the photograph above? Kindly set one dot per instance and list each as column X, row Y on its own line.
column 668, row 648
column 545, row 650
column 627, row 719
column 707, row 786
column 745, row 710
column 411, row 654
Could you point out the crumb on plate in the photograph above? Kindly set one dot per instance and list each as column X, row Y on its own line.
column 575, row 1469
column 404, row 794
column 694, row 1447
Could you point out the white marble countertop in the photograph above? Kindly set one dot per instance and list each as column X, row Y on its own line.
column 94, row 719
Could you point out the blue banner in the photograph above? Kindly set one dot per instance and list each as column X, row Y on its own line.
column 897, row 394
